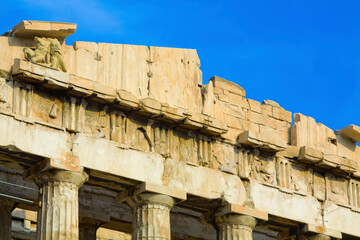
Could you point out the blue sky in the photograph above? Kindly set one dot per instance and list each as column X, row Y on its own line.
column 303, row 54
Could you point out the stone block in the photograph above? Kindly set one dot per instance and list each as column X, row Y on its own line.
column 218, row 91
column 306, row 132
column 174, row 114
column 30, row 29
column 319, row 186
column 255, row 106
column 21, row 66
column 282, row 114
column 154, row 188
column 194, row 121
column 334, row 161
column 173, row 76
column 352, row 132
column 254, row 117
column 308, row 154
column 271, row 103
column 127, row 99
column 337, row 189
column 151, row 106
column 227, row 85
column 266, row 110
column 266, row 142
column 289, row 152
column 243, row 210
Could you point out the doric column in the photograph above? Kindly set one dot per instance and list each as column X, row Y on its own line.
column 89, row 224
column 237, row 221
column 151, row 216
column 6, row 207
column 87, row 229
column 58, row 204
column 235, row 226
column 151, row 206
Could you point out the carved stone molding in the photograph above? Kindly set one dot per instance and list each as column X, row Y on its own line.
column 235, row 226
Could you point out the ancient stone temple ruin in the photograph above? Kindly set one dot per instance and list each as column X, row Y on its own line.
column 114, row 141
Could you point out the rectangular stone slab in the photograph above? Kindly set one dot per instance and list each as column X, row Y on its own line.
column 30, row 29
column 309, row 154
column 351, row 131
column 240, row 209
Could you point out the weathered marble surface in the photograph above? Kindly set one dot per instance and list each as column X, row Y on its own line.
column 132, row 115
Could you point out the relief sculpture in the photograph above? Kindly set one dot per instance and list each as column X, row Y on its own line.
column 46, row 52
column 263, row 168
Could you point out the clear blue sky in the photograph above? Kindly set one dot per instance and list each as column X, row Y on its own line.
column 303, row 54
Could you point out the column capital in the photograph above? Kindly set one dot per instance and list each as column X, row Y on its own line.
column 319, row 236
column 237, row 219
column 74, row 177
column 152, row 194
column 150, row 198
column 151, row 205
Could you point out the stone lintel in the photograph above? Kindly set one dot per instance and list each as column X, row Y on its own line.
column 311, row 228
column 351, row 131
column 30, row 29
column 232, row 208
column 70, row 163
column 145, row 187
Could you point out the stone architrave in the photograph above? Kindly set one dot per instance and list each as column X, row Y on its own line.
column 151, row 216
column 6, row 207
column 235, row 226
column 58, row 215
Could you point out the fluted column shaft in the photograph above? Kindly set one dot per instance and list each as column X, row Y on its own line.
column 6, row 207
column 87, row 231
column 58, row 215
column 235, row 227
column 151, row 216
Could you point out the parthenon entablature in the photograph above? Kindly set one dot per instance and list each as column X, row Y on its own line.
column 129, row 138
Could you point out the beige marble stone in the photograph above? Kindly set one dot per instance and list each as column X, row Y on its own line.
column 58, row 204
column 234, row 226
column 139, row 120
column 151, row 216
column 30, row 29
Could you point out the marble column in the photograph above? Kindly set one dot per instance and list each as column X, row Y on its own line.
column 151, row 216
column 88, row 228
column 6, row 207
column 235, row 226
column 58, row 215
